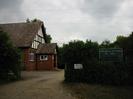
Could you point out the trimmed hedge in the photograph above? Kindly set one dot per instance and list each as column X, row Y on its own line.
column 100, row 72
column 10, row 59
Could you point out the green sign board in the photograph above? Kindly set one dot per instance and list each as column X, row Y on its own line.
column 111, row 54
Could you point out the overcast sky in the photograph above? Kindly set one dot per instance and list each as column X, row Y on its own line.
column 66, row 20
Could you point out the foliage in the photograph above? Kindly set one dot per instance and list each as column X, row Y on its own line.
column 101, row 73
column 106, row 44
column 48, row 38
column 94, row 71
column 78, row 52
column 33, row 20
column 127, row 44
column 28, row 20
column 121, row 41
column 9, row 58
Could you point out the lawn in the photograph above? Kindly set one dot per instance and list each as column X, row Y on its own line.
column 89, row 91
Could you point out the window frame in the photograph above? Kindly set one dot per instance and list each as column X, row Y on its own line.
column 43, row 57
column 31, row 56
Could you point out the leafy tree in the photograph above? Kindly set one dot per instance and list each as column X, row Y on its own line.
column 121, row 41
column 48, row 38
column 94, row 71
column 78, row 52
column 33, row 20
column 130, row 41
column 105, row 44
column 9, row 57
column 127, row 44
column 28, row 20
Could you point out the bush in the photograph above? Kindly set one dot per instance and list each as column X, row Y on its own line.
column 10, row 58
column 101, row 73
column 93, row 71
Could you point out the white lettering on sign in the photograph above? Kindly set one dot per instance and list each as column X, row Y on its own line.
column 78, row 66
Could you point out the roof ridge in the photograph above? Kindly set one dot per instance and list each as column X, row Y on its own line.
column 21, row 23
column 12, row 23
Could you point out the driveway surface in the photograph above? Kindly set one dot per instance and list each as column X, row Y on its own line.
column 37, row 85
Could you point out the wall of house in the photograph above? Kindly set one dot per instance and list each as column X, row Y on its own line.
column 39, row 39
column 45, row 64
column 38, row 64
column 28, row 64
column 56, row 61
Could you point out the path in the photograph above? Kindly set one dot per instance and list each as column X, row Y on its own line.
column 36, row 85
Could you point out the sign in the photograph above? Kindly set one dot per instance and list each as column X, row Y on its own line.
column 78, row 66
column 111, row 54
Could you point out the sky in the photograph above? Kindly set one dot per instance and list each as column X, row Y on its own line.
column 67, row 20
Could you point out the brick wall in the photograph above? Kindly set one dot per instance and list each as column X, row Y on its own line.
column 45, row 64
column 29, row 65
column 38, row 64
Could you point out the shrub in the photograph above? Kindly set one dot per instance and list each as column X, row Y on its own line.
column 9, row 58
column 101, row 73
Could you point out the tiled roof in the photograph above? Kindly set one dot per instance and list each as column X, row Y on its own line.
column 22, row 34
column 48, row 48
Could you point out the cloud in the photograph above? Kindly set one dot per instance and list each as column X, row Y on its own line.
column 10, row 4
column 101, row 8
column 10, row 10
column 67, row 20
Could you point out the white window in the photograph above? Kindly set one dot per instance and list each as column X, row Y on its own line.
column 43, row 57
column 35, row 44
column 40, row 32
column 43, row 40
column 31, row 56
column 36, row 37
column 32, row 45
column 39, row 39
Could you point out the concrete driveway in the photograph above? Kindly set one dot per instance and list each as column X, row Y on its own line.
column 37, row 85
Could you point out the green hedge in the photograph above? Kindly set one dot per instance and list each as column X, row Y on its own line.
column 100, row 72
column 10, row 59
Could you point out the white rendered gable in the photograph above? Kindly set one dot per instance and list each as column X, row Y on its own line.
column 39, row 39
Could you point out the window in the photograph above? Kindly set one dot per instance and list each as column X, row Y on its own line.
column 43, row 40
column 39, row 39
column 55, row 51
column 35, row 44
column 32, row 45
column 43, row 57
column 31, row 56
column 36, row 37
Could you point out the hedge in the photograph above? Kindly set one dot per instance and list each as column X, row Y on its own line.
column 100, row 72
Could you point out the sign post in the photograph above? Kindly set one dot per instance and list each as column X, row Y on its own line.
column 111, row 54
column 78, row 66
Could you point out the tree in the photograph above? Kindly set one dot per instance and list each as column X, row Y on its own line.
column 28, row 20
column 33, row 20
column 105, row 44
column 10, row 57
column 48, row 38
column 127, row 44
column 121, row 41
column 130, row 41
column 78, row 52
